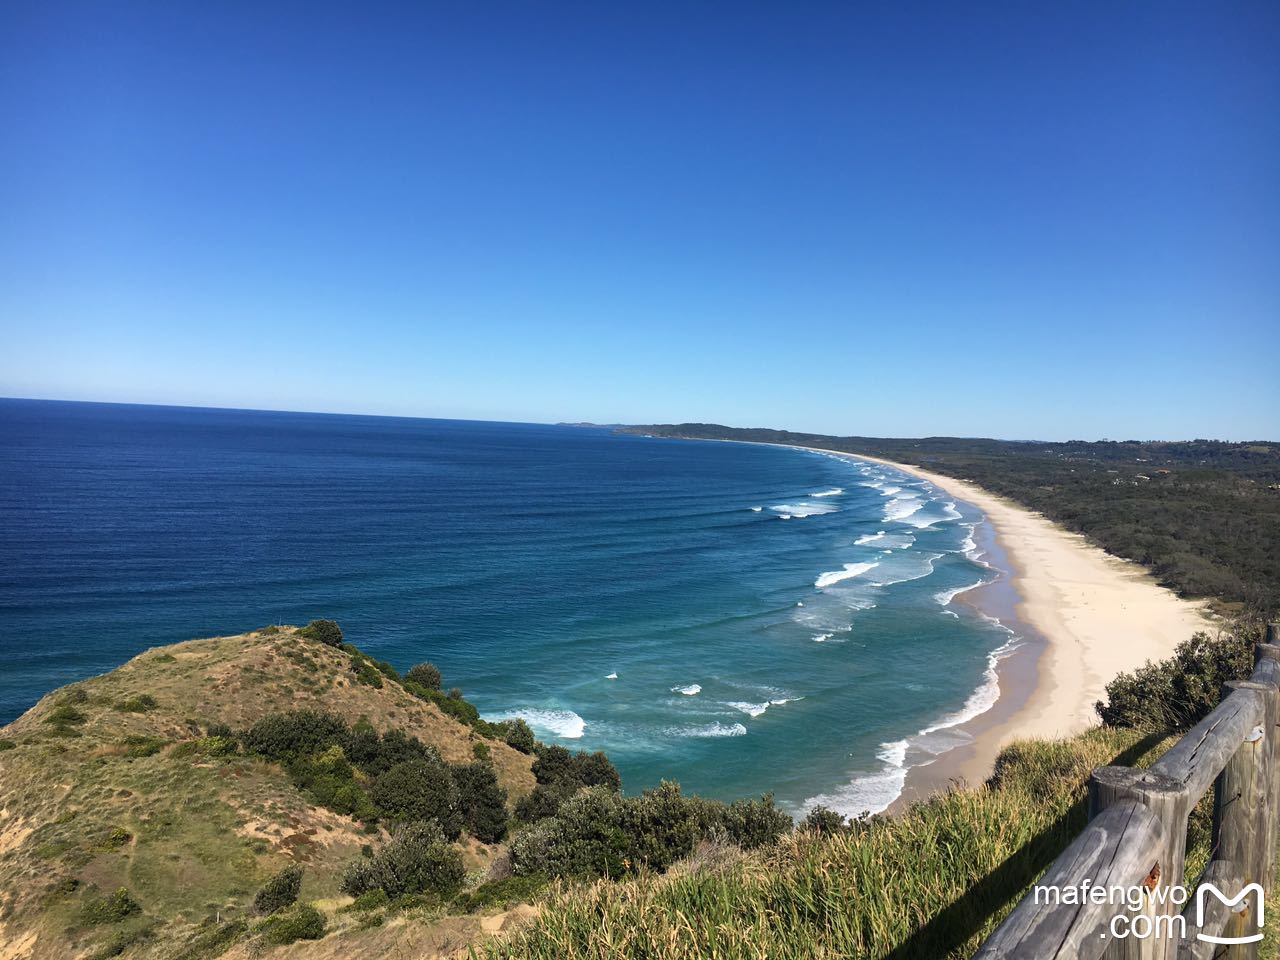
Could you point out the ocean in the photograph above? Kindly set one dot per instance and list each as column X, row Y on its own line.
column 741, row 618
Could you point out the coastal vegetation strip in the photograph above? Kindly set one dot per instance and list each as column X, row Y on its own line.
column 1202, row 515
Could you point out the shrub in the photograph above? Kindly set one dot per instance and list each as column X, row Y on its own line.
column 367, row 674
column 369, row 900
column 296, row 733
column 6, row 744
column 543, row 802
column 65, row 716
column 822, row 820
column 518, row 735
column 661, row 827
column 556, row 765
column 137, row 746
column 417, row 859
column 1176, row 693
column 214, row 940
column 118, row 838
column 502, row 893
column 425, row 675
column 419, row 790
column 480, row 751
column 597, row 832
column 482, row 802
column 325, row 631
column 74, row 695
column 754, row 823
column 302, row 923
column 585, row 838
column 280, row 891
column 110, row 909
column 140, row 703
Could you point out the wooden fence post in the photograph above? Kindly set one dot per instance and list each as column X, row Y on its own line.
column 1167, row 798
column 1241, row 819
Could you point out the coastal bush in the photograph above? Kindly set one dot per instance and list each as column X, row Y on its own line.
column 482, row 801
column 65, row 716
column 598, row 832
column 367, row 673
column 425, row 675
column 584, row 839
column 417, row 859
column 303, row 922
column 1176, row 693
column 754, row 823
column 280, row 891
column 142, row 703
column 110, row 909
column 822, row 820
column 543, row 801
column 213, row 939
column 138, row 746
column 557, row 766
column 930, row 883
column 517, row 735
column 6, row 744
column 325, row 631
column 296, row 733
column 503, row 893
column 419, row 790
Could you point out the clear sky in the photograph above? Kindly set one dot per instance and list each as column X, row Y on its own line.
column 1029, row 220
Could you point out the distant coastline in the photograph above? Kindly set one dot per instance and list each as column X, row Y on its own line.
column 1082, row 615
column 1091, row 616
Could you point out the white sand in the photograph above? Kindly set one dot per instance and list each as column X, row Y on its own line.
column 1099, row 614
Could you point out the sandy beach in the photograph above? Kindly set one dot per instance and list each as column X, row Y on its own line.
column 1086, row 616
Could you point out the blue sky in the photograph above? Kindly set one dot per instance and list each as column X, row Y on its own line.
column 1016, row 220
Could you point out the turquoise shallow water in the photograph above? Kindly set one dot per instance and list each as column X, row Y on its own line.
column 740, row 618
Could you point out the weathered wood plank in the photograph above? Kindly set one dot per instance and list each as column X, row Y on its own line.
column 1200, row 755
column 1226, row 877
column 1240, row 808
column 1168, row 799
column 1118, row 848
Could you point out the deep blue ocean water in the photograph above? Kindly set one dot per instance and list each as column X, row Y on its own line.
column 705, row 612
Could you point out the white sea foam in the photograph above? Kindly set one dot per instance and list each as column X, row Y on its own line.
column 869, row 538
column 875, row 791
column 564, row 724
column 612, row 676
column 804, row 509
column 945, row 597
column 949, row 513
column 756, row 509
column 716, row 729
column 823, row 637
column 870, row 792
column 833, row 492
column 691, row 690
column 756, row 709
column 901, row 575
column 902, row 508
column 983, row 698
column 784, row 516
column 850, row 571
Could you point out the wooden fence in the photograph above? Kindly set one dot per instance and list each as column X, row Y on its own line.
column 1136, row 842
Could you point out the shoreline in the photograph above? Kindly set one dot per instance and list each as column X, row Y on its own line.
column 1082, row 616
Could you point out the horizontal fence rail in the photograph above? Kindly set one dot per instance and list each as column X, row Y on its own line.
column 1120, row 892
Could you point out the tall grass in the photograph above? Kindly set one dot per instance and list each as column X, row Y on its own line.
column 928, row 884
